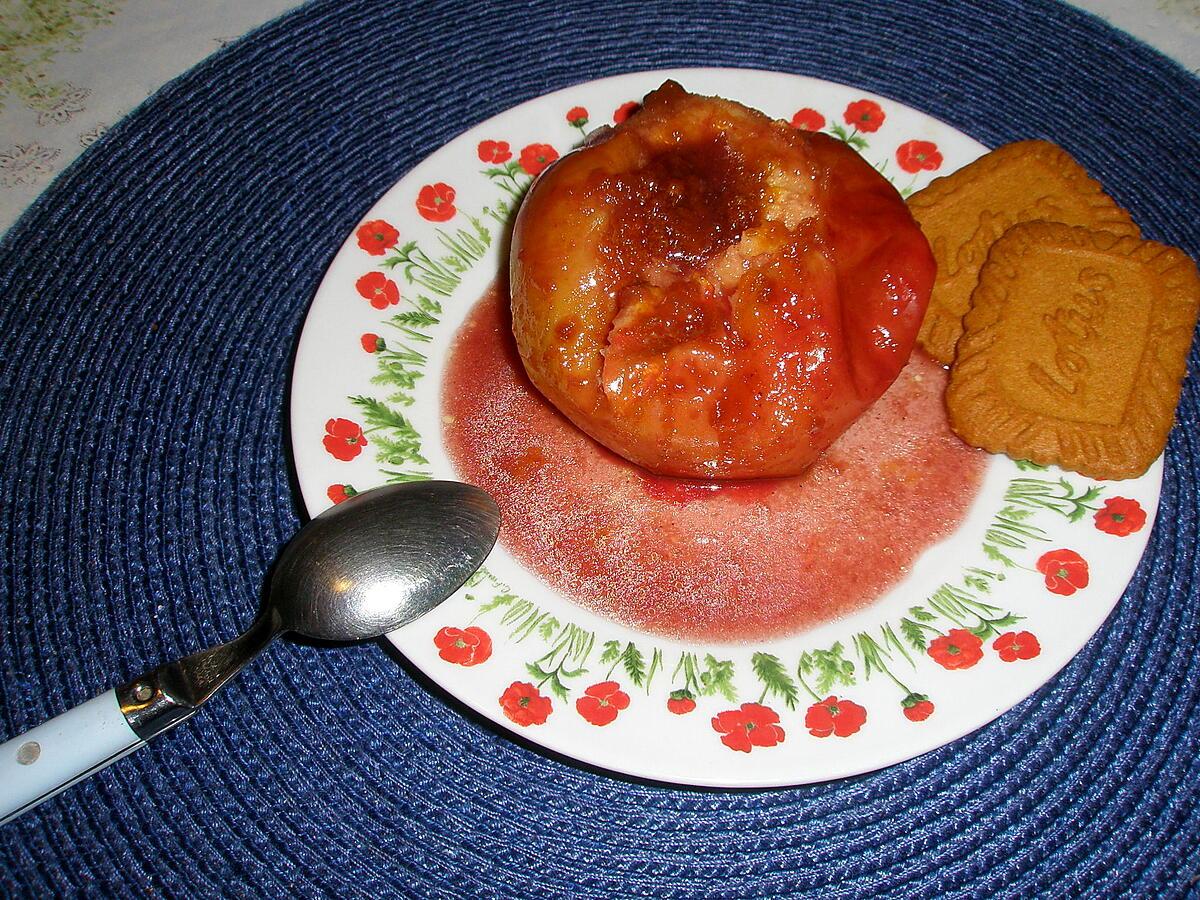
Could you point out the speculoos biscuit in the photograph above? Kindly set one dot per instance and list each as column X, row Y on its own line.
column 964, row 213
column 1074, row 349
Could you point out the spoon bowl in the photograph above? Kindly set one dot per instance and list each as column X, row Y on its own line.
column 382, row 559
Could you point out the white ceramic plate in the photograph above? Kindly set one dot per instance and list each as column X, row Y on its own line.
column 974, row 627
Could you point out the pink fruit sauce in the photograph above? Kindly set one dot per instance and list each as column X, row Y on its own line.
column 716, row 561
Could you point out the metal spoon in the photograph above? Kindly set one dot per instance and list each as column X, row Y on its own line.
column 367, row 566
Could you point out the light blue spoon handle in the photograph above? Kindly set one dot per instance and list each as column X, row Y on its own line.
column 36, row 765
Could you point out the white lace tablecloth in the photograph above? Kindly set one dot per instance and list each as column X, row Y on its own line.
column 70, row 68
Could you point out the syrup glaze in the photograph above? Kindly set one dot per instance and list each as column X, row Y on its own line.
column 702, row 559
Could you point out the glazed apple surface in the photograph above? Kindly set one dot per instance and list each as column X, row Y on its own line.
column 713, row 294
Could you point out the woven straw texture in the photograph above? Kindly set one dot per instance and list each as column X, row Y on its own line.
column 151, row 301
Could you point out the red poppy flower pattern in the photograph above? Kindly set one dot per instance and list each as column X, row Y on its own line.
column 865, row 115
column 1014, row 645
column 749, row 726
column 340, row 493
column 376, row 237
column 463, row 646
column 435, row 202
column 372, row 343
column 625, row 110
column 377, row 288
column 536, row 157
column 917, row 707
column 494, row 151
column 681, row 702
column 1120, row 516
column 917, row 156
column 577, row 116
column 833, row 716
column 957, row 649
column 601, row 702
column 808, row 120
column 1065, row 570
column 524, row 704
column 344, row 439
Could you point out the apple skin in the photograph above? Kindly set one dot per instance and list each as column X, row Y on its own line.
column 713, row 294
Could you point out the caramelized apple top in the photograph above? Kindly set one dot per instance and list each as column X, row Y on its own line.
column 711, row 293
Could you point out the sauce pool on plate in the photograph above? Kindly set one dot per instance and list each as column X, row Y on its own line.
column 713, row 561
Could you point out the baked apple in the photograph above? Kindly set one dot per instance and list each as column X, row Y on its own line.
column 713, row 294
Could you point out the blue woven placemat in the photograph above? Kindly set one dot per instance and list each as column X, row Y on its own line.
column 148, row 308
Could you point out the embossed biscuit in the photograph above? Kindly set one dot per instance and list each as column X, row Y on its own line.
column 964, row 213
column 1074, row 349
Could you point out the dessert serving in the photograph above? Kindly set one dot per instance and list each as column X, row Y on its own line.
column 711, row 293
column 728, row 631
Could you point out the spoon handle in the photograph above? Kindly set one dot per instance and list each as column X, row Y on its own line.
column 51, row 757
column 45, row 760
